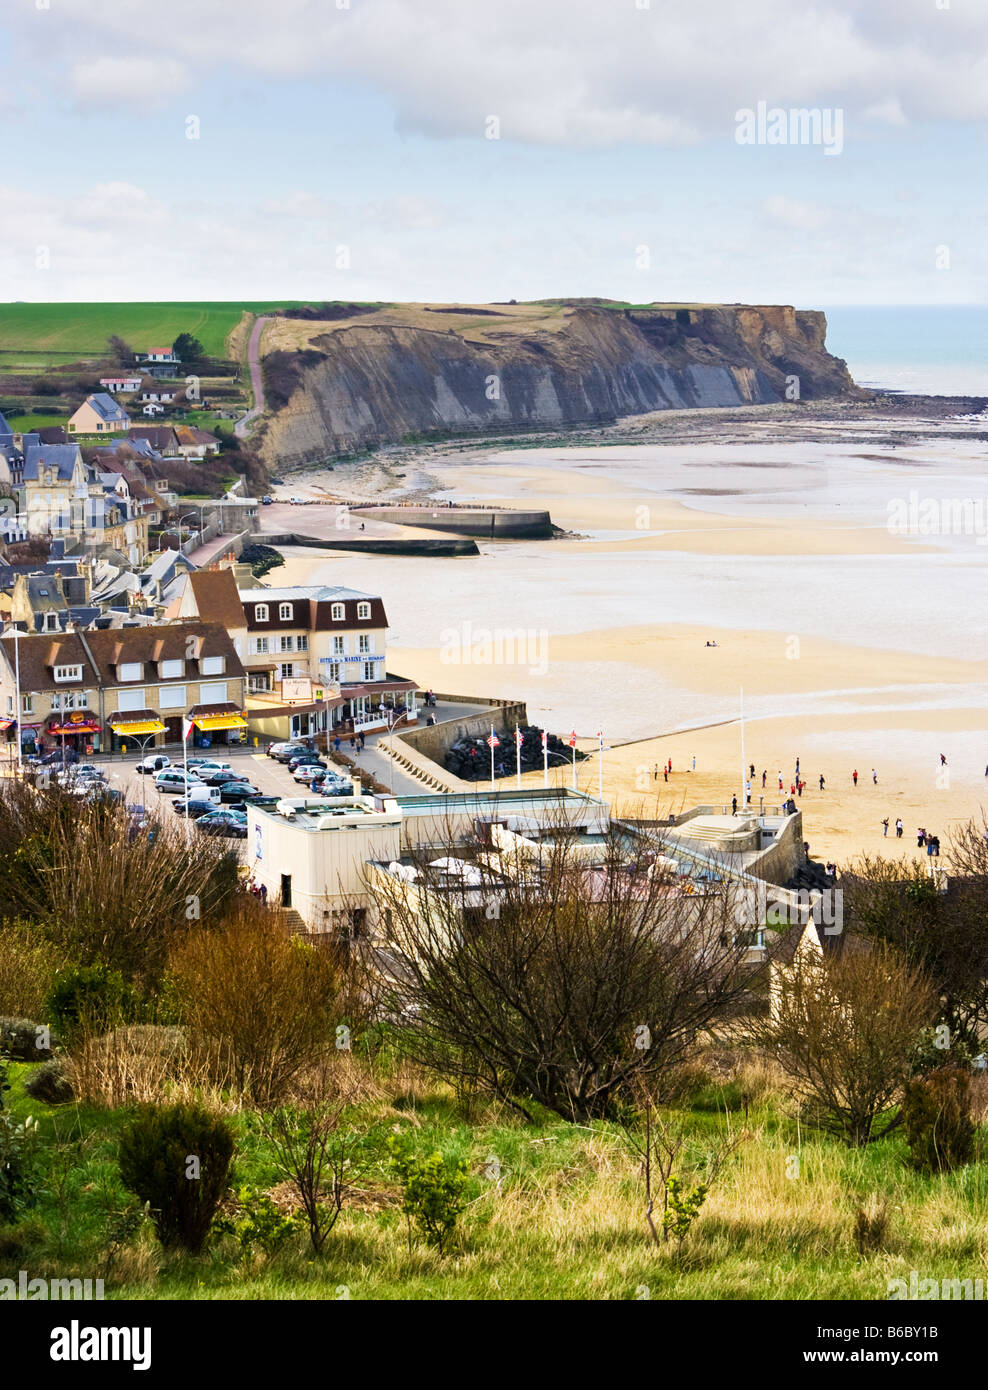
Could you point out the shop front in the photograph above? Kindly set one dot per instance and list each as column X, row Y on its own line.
column 138, row 729
column 217, row 725
column 79, row 730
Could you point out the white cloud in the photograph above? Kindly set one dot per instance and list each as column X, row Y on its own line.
column 791, row 212
column 566, row 72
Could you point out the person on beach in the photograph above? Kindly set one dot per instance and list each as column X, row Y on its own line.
column 780, row 779
column 885, row 827
column 943, row 760
column 792, row 790
column 822, row 782
column 898, row 828
column 797, row 769
column 665, row 774
column 747, row 793
column 751, row 770
column 920, row 838
column 874, row 777
column 734, row 805
column 854, row 776
column 764, row 777
column 694, row 762
column 799, row 787
column 655, row 773
column 670, row 764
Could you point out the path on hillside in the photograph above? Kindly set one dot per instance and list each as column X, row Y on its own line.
column 256, row 379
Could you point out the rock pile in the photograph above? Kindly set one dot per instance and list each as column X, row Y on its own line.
column 470, row 758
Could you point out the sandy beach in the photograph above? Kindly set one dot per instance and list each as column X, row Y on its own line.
column 856, row 647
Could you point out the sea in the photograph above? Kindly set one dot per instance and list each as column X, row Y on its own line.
column 929, row 349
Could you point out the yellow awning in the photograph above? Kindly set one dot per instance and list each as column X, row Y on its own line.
column 208, row 722
column 149, row 726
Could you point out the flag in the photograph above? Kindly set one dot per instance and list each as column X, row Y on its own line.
column 545, row 740
column 572, row 739
column 493, row 741
column 600, row 733
column 187, row 727
column 518, row 738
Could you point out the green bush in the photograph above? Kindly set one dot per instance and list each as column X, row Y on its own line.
column 93, row 995
column 50, row 1084
column 937, row 1114
column 20, row 1039
column 259, row 1221
column 433, row 1191
column 18, row 1243
column 18, row 1166
column 177, row 1158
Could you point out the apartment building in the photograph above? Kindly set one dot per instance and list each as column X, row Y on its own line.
column 98, row 690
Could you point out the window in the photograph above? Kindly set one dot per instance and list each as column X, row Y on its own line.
column 128, row 700
column 363, row 611
column 285, row 612
column 172, row 697
column 339, row 646
column 127, row 671
column 211, row 665
column 213, row 693
column 302, row 642
column 288, row 644
column 51, row 623
column 334, row 670
column 287, row 670
column 68, row 673
column 170, row 669
column 364, row 643
column 257, row 646
column 261, row 681
column 368, row 670
column 337, row 612
column 27, row 704
column 260, row 612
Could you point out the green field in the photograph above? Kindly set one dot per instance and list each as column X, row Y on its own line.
column 43, row 334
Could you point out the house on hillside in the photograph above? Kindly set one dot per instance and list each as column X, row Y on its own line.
column 196, row 443
column 125, row 383
column 151, row 409
column 99, row 414
column 158, row 354
column 159, row 395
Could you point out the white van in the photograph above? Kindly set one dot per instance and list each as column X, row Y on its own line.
column 199, row 797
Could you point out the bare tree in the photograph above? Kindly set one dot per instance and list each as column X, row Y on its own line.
column 550, row 981
column 842, row 1028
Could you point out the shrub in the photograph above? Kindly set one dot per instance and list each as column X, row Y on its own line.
column 871, row 1223
column 93, row 995
column 939, row 1127
column 136, row 1063
column 20, row 1241
column 433, row 1191
column 23, row 1040
column 18, row 1166
column 177, row 1159
column 260, row 1221
column 26, row 968
column 263, row 996
column 50, row 1084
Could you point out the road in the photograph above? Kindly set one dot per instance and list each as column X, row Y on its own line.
column 256, row 378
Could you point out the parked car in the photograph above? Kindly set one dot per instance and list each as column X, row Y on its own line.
column 99, row 792
column 233, row 792
column 210, row 764
column 173, row 779
column 260, row 800
column 287, row 751
column 200, row 800
column 154, row 762
column 266, row 501
column 300, row 759
column 227, row 821
column 90, row 770
column 223, row 774
column 276, row 750
column 309, row 772
column 332, row 786
column 66, row 755
column 297, row 501
column 278, row 482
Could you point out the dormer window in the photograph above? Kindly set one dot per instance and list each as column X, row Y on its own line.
column 211, row 666
column 260, row 612
column 363, row 610
column 337, row 612
column 285, row 612
column 68, row 673
column 130, row 670
column 170, row 670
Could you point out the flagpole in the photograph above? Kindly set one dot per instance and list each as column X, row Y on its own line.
column 600, row 764
column 518, row 756
column 186, row 725
column 574, row 759
column 545, row 759
column 18, row 710
column 744, row 765
column 492, row 757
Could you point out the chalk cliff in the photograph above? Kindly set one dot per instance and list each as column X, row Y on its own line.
column 409, row 371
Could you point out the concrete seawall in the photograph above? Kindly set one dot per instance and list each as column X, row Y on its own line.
column 400, row 545
column 490, row 523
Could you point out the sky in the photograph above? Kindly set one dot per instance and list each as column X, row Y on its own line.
column 495, row 149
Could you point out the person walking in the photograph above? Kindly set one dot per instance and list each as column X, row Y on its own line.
column 765, row 776
column 655, row 773
column 898, row 828
column 780, row 779
column 854, row 776
column 920, row 838
column 747, row 793
column 799, row 787
column 885, row 827
column 874, row 777
column 751, row 770
column 694, row 762
column 822, row 782
column 943, row 760
column 797, row 769
column 665, row 774
column 734, row 805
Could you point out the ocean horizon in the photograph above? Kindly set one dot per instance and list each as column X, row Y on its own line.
column 938, row 350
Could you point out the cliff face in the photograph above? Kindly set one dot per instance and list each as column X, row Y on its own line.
column 375, row 383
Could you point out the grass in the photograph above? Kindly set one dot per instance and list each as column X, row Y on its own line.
column 52, row 334
column 25, row 423
column 565, row 1220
